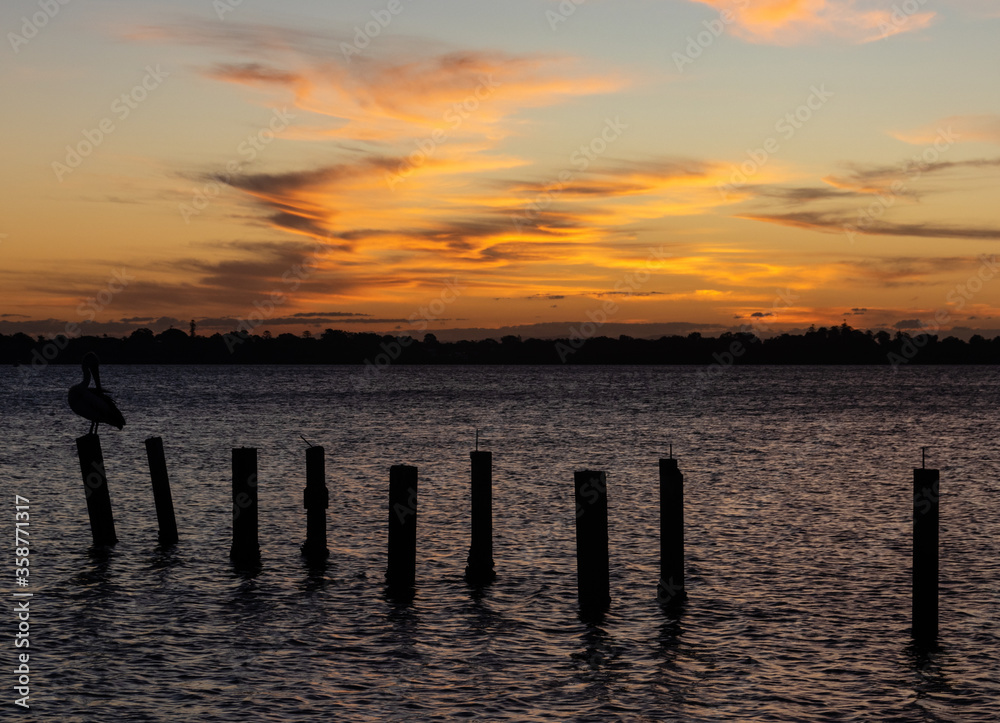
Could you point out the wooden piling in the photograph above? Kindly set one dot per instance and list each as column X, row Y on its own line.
column 401, row 572
column 480, row 567
column 592, row 563
column 165, row 519
column 245, row 547
column 95, row 483
column 670, row 588
column 926, row 498
column 316, row 500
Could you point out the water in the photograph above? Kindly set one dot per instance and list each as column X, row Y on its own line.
column 798, row 484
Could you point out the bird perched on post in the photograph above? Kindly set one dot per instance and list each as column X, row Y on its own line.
column 94, row 404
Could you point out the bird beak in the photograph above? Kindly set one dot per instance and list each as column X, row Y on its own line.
column 97, row 376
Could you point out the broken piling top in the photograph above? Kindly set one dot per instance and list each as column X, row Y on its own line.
column 402, row 554
column 592, row 560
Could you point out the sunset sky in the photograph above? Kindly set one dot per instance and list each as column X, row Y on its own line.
column 408, row 165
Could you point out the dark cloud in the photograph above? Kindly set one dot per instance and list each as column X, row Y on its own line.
column 564, row 329
column 894, row 272
column 876, row 179
column 887, row 183
column 600, row 294
column 516, row 251
column 843, row 223
column 285, row 184
column 620, row 179
column 460, row 235
column 251, row 73
column 297, row 319
column 298, row 222
column 801, row 193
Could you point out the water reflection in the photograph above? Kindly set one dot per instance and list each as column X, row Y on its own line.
column 927, row 664
column 783, row 623
column 246, row 569
column 165, row 558
column 316, row 579
column 98, row 579
column 596, row 646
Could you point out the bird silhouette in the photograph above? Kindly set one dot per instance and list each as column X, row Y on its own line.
column 94, row 404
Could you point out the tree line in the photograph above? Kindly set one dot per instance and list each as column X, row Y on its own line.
column 826, row 345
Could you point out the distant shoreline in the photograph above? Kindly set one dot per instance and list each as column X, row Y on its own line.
column 834, row 346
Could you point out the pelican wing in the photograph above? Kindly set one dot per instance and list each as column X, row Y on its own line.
column 95, row 406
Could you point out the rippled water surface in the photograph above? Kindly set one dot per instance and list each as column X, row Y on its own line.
column 798, row 485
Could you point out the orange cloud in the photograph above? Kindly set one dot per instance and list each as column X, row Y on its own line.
column 435, row 226
column 792, row 22
column 460, row 95
column 416, row 183
column 983, row 128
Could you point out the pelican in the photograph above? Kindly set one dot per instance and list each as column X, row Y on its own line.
column 94, row 404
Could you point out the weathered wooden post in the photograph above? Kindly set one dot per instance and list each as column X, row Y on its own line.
column 401, row 572
column 95, row 482
column 161, row 491
column 926, row 498
column 479, row 569
column 592, row 563
column 316, row 499
column 245, row 547
column 670, row 588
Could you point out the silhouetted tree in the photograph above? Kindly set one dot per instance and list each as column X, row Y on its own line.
column 836, row 345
